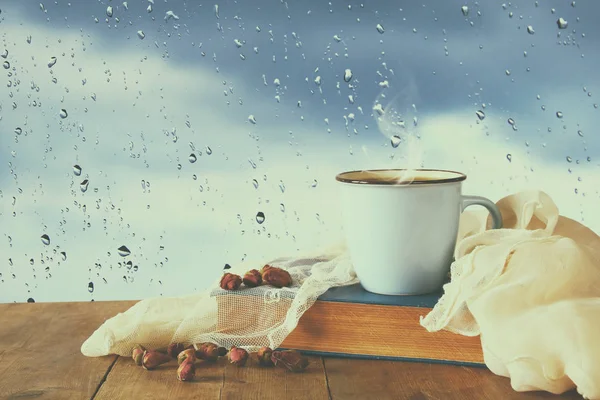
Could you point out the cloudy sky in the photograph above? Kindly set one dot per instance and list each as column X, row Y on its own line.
column 256, row 96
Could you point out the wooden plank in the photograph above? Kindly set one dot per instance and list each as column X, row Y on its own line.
column 40, row 349
column 128, row 381
column 373, row 379
column 253, row 382
column 40, row 357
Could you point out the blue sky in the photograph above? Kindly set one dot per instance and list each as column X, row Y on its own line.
column 137, row 107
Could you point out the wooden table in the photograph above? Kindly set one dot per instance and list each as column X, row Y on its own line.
column 40, row 358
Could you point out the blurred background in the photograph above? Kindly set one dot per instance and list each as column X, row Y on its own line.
column 145, row 144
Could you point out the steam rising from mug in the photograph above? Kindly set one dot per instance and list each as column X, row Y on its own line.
column 397, row 120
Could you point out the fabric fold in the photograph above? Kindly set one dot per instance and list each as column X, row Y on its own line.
column 532, row 293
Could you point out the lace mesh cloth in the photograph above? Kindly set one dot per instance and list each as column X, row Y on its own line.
column 248, row 318
column 530, row 290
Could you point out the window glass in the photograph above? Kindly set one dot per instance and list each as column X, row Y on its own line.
column 145, row 144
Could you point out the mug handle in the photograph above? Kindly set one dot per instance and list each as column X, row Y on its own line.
column 491, row 207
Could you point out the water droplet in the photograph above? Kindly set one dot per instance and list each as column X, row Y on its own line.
column 141, row 34
column 559, row 114
column 255, row 183
column 18, row 130
column 63, row 113
column 511, row 121
column 91, row 287
column 509, row 157
column 109, row 11
column 507, row 72
column 30, row 300
column 64, row 255
column 580, row 133
column 347, row 75
column 123, row 251
column 569, row 159
column 45, row 239
column 396, row 141
column 76, row 170
column 238, row 43
column 6, row 65
column 4, row 53
column 480, row 114
column 378, row 108
column 171, row 15
column 282, row 207
column 252, row 119
column 52, row 62
column 217, row 11
column 208, row 150
column 282, row 186
column 192, row 158
column 149, row 9
column 465, row 10
column 380, row 28
column 530, row 30
column 260, row 217
column 227, row 266
column 562, row 23
column 84, row 185
column 318, row 80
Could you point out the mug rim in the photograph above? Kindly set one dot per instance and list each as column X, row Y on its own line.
column 458, row 178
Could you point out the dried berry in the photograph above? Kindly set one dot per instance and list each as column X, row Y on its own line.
column 153, row 359
column 174, row 349
column 252, row 278
column 238, row 356
column 138, row 354
column 230, row 281
column 265, row 268
column 222, row 351
column 207, row 351
column 264, row 356
column 276, row 276
column 185, row 355
column 290, row 359
column 186, row 370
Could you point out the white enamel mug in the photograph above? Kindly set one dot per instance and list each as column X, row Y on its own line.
column 401, row 236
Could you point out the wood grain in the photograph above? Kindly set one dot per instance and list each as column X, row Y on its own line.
column 254, row 382
column 128, row 381
column 40, row 349
column 371, row 379
column 379, row 330
column 40, row 358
